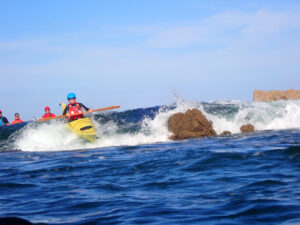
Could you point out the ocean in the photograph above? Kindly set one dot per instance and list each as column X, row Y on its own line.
column 133, row 174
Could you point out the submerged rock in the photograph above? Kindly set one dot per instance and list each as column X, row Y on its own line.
column 247, row 128
column 268, row 96
column 189, row 125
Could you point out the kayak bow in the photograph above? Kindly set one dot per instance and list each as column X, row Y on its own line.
column 83, row 127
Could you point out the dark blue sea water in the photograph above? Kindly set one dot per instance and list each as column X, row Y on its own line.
column 237, row 179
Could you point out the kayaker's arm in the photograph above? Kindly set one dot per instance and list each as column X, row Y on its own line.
column 66, row 110
column 86, row 108
column 5, row 120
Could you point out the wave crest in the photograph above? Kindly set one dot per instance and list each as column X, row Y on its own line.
column 149, row 125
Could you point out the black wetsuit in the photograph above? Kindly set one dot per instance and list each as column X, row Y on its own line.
column 3, row 121
column 80, row 104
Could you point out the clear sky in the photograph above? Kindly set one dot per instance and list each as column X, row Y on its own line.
column 135, row 53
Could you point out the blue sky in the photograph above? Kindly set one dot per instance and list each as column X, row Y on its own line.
column 136, row 53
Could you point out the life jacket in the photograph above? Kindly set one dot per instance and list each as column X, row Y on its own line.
column 75, row 110
column 17, row 121
column 1, row 121
column 48, row 115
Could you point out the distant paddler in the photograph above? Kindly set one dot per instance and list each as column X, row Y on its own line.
column 3, row 120
column 48, row 114
column 17, row 119
column 74, row 109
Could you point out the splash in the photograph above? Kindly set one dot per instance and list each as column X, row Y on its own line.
column 264, row 116
column 151, row 124
column 49, row 136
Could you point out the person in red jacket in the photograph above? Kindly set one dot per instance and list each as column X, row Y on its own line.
column 48, row 114
column 74, row 109
column 17, row 119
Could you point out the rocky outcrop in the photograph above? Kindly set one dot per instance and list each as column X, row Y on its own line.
column 226, row 132
column 268, row 96
column 189, row 125
column 247, row 128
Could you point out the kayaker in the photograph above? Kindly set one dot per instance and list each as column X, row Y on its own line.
column 48, row 114
column 74, row 109
column 17, row 119
column 3, row 120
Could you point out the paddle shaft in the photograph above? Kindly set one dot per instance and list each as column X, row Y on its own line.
column 94, row 110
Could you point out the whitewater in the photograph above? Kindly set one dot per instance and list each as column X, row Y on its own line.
column 134, row 174
column 152, row 124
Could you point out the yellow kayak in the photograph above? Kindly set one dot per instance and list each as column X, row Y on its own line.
column 83, row 127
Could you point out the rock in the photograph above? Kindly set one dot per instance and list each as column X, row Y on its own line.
column 247, row 128
column 268, row 96
column 189, row 125
column 226, row 132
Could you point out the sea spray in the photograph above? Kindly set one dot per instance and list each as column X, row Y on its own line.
column 150, row 125
column 49, row 136
column 264, row 116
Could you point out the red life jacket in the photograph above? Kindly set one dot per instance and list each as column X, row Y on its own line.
column 48, row 115
column 75, row 110
column 17, row 121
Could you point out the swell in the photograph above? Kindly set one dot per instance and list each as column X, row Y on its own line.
column 164, row 183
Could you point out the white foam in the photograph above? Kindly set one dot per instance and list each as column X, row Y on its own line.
column 264, row 116
column 48, row 136
column 55, row 136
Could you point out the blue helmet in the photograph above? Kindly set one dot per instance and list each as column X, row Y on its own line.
column 71, row 95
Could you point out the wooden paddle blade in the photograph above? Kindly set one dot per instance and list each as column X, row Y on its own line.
column 106, row 108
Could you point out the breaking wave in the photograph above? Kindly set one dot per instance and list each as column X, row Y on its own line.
column 149, row 125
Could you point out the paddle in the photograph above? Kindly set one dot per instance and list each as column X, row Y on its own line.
column 94, row 110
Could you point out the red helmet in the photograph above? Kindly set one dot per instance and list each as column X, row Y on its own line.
column 47, row 108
